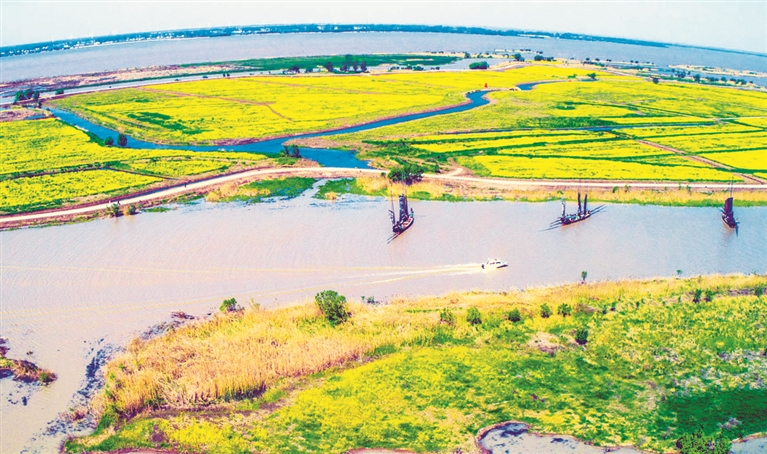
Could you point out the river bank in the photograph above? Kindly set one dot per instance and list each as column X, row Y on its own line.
column 450, row 187
column 494, row 352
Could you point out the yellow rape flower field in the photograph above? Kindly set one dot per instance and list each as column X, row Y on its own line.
column 617, row 127
column 47, row 163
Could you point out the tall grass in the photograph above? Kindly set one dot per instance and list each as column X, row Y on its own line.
column 242, row 355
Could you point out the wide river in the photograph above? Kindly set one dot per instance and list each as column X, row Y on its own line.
column 69, row 290
column 181, row 51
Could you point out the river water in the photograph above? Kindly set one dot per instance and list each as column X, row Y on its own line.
column 181, row 51
column 69, row 290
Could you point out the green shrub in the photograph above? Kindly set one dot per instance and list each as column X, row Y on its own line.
column 696, row 295
column 514, row 315
column 446, row 316
column 333, row 306
column 545, row 311
column 564, row 310
column 473, row 316
column 709, row 295
column 582, row 336
column 696, row 442
column 759, row 291
column 479, row 65
column 229, row 305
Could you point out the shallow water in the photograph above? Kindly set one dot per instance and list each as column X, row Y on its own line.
column 69, row 290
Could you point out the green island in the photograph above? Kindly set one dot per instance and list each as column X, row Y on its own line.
column 643, row 363
column 580, row 122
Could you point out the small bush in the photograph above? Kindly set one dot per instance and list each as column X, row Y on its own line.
column 759, row 291
column 709, row 295
column 229, row 305
column 333, row 306
column 447, row 317
column 479, row 65
column 697, row 442
column 564, row 310
column 473, row 316
column 545, row 311
column 582, row 336
column 696, row 295
column 514, row 315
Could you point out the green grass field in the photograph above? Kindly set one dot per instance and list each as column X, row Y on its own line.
column 661, row 358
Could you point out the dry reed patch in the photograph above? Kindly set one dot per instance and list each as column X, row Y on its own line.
column 241, row 355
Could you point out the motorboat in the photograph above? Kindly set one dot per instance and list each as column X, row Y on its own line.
column 494, row 263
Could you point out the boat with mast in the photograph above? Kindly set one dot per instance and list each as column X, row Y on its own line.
column 728, row 215
column 406, row 217
column 582, row 214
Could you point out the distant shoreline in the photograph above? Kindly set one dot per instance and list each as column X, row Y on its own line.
column 214, row 32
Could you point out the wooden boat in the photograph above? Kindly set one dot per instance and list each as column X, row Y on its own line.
column 582, row 214
column 728, row 215
column 406, row 217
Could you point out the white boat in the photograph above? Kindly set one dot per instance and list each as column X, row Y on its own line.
column 494, row 263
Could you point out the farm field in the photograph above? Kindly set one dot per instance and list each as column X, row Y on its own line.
column 575, row 123
column 621, row 363
column 244, row 109
column 49, row 191
column 32, row 148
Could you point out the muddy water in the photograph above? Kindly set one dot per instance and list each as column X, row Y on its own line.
column 70, row 290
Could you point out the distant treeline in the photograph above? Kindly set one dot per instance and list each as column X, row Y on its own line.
column 343, row 63
column 300, row 28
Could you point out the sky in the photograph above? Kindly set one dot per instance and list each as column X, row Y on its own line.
column 740, row 25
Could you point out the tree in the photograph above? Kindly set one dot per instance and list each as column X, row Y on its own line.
column 696, row 77
column 479, row 65
column 545, row 311
column 113, row 210
column 60, row 91
column 36, row 96
column 518, row 57
column 343, row 67
column 309, row 69
column 584, row 275
column 333, row 306
column 295, row 151
column 109, row 141
column 564, row 309
column 229, row 305
column 473, row 316
column 592, row 76
column 122, row 140
column 655, row 80
column 295, row 69
column 329, row 66
column 364, row 66
column 407, row 173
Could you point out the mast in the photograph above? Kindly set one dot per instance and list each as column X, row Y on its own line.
column 585, row 202
column 579, row 203
column 403, row 213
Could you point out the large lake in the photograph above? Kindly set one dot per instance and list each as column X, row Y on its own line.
column 66, row 288
column 179, row 51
